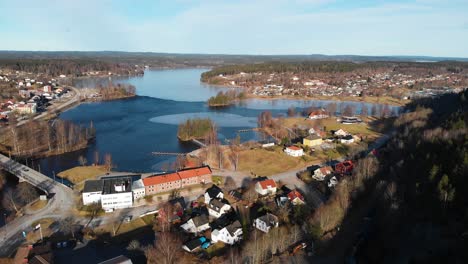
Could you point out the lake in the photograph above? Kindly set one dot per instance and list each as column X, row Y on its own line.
column 131, row 129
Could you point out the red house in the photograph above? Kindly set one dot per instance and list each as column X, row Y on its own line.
column 345, row 167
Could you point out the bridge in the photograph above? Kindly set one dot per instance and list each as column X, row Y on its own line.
column 27, row 174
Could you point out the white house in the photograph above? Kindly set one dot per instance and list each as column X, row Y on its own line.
column 212, row 193
column 348, row 139
column 266, row 222
column 116, row 193
column 29, row 108
column 217, row 208
column 268, row 144
column 341, row 133
column 196, row 224
column 321, row 173
column 138, row 189
column 318, row 114
column 230, row 234
column 266, row 187
column 294, row 151
column 92, row 192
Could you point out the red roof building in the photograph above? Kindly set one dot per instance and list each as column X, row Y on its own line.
column 295, row 197
column 175, row 180
column 345, row 167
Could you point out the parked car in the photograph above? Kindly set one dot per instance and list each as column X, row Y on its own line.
column 127, row 219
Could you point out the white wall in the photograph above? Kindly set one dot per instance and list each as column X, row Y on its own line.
column 117, row 200
column 91, row 197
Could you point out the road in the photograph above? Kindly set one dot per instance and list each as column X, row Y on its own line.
column 60, row 203
column 290, row 177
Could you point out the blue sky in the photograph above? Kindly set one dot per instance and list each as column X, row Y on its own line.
column 361, row 27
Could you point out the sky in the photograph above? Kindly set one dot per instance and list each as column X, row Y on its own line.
column 258, row 27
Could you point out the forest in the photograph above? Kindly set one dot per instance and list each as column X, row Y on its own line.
column 332, row 67
column 225, row 98
column 116, row 91
column 44, row 138
column 197, row 128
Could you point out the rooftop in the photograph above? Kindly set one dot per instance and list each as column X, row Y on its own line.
column 267, row 183
column 117, row 185
column 93, row 186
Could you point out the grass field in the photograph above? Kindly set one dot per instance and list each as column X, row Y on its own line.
column 37, row 205
column 81, row 173
column 121, row 227
column 332, row 124
column 267, row 162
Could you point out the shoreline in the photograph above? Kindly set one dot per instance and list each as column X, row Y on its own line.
column 368, row 99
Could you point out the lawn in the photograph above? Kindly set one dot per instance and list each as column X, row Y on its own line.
column 332, row 124
column 267, row 162
column 81, row 173
column 37, row 205
column 121, row 227
column 218, row 180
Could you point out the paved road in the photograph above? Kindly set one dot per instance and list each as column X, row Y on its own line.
column 61, row 203
column 290, row 178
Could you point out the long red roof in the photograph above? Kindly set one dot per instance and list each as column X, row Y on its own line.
column 176, row 176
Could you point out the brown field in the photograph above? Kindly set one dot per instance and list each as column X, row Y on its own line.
column 331, row 124
column 81, row 173
column 267, row 162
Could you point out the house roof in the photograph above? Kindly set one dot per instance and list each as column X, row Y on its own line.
column 176, row 176
column 318, row 112
column 92, row 186
column 270, row 219
column 194, row 243
column 159, row 179
column 313, row 137
column 326, row 170
column 217, row 204
column 194, row 172
column 295, row 194
column 294, row 148
column 232, row 228
column 265, row 183
column 200, row 220
column 213, row 191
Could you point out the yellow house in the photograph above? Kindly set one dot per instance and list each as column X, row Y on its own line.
column 312, row 141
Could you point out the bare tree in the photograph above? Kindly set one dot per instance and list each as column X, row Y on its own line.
column 67, row 225
column 108, row 161
column 10, row 200
column 250, row 194
column 96, row 158
column 166, row 249
column 27, row 192
column 82, row 160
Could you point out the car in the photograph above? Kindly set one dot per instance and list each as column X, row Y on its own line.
column 127, row 219
column 109, row 210
column 25, row 169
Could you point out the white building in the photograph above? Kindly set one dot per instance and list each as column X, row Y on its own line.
column 138, row 189
column 217, row 208
column 321, row 173
column 27, row 109
column 116, row 193
column 230, row 234
column 214, row 192
column 196, row 224
column 347, row 139
column 294, row 151
column 266, row 187
column 92, row 192
column 341, row 133
column 266, row 222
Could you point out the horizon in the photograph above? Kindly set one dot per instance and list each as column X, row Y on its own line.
column 237, row 54
column 429, row 28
